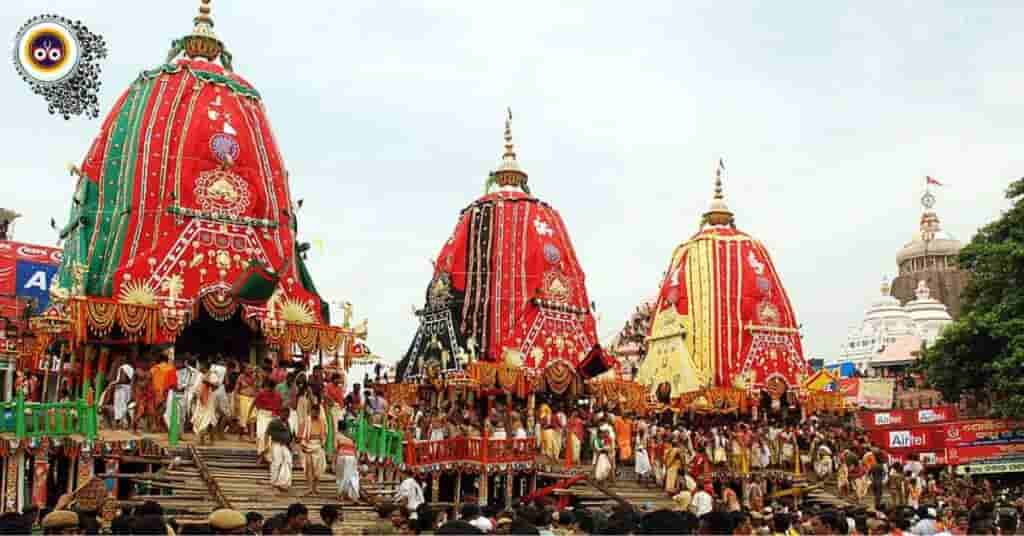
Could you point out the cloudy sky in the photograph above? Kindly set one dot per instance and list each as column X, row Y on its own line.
column 390, row 116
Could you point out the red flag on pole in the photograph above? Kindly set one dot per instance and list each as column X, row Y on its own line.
column 929, row 180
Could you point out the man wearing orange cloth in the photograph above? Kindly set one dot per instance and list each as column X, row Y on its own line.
column 574, row 438
column 624, row 437
column 165, row 377
column 673, row 464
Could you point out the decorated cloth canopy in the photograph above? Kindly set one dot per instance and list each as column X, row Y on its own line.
column 722, row 318
column 183, row 202
column 507, row 286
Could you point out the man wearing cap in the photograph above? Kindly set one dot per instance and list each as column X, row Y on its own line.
column 61, row 522
column 227, row 521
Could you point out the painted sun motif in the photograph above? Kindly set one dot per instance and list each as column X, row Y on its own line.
column 296, row 312
column 137, row 293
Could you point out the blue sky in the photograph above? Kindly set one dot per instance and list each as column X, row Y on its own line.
column 389, row 115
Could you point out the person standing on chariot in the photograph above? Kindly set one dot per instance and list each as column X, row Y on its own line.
column 624, row 437
column 181, row 394
column 122, row 386
column 245, row 393
column 346, row 465
column 204, row 411
column 574, row 437
column 280, row 452
column 673, row 463
column 334, row 396
column 145, row 400
column 641, row 459
column 266, row 406
column 165, row 378
column 604, row 469
column 312, row 434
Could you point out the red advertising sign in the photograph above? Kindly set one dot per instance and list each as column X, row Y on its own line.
column 872, row 420
column 906, row 439
column 976, row 453
column 849, row 388
column 982, row 432
column 931, row 457
column 26, row 272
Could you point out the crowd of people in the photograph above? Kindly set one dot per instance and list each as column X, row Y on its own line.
column 982, row 513
column 724, row 471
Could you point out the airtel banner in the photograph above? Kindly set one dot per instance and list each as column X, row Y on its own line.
column 871, row 420
column 906, row 439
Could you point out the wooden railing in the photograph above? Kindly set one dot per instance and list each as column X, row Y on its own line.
column 48, row 419
column 470, row 449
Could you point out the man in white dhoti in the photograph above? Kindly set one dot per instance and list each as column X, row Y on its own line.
column 182, row 395
column 312, row 435
column 410, row 493
column 204, row 407
column 123, row 394
column 346, row 465
column 280, row 452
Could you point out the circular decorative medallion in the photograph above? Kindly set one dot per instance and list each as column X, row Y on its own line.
column 59, row 59
column 224, row 147
column 47, row 50
column 763, row 285
column 551, row 253
column 928, row 200
column 222, row 191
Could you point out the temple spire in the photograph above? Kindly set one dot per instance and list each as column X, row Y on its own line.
column 509, row 174
column 718, row 212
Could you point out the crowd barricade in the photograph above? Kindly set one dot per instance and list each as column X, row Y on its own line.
column 49, row 419
column 470, row 449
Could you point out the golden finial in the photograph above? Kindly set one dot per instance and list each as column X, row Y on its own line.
column 203, row 42
column 204, row 13
column 509, row 173
column 510, row 149
column 718, row 213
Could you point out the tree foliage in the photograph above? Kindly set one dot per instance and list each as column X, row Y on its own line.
column 981, row 355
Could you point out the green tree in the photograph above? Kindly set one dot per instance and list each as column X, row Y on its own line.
column 981, row 355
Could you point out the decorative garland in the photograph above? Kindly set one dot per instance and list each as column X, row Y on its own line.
column 138, row 322
column 631, row 395
column 220, row 305
column 559, row 376
column 205, row 76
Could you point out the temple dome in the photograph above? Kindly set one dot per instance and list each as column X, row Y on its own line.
column 722, row 318
column 507, row 286
column 887, row 313
column 184, row 190
column 930, row 240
